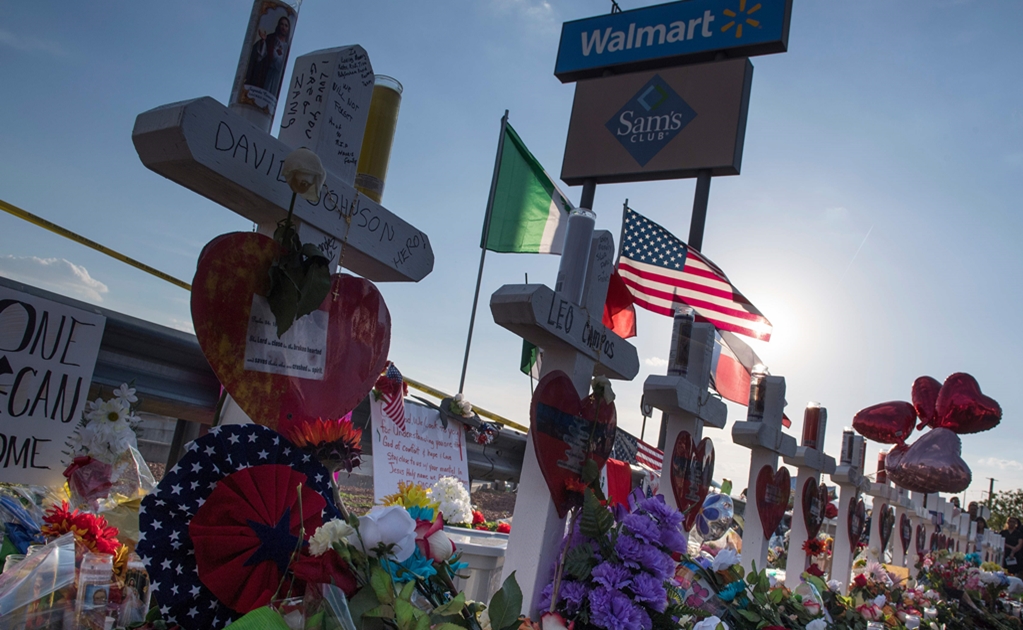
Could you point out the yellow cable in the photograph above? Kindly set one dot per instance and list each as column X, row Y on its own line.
column 56, row 229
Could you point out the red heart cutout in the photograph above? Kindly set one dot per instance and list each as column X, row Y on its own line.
column 962, row 408
column 232, row 269
column 561, row 424
column 905, row 532
column 815, row 500
column 886, row 525
column 773, row 489
column 888, row 422
column 857, row 521
column 925, row 395
column 692, row 468
column 931, row 464
column 921, row 540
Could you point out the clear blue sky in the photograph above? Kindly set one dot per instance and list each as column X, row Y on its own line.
column 876, row 221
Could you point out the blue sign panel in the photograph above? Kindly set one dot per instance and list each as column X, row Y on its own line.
column 671, row 34
column 649, row 121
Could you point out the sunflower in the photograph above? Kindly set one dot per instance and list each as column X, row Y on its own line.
column 814, row 546
column 336, row 444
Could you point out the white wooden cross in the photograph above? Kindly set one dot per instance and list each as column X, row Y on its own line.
column 762, row 433
column 919, row 516
column 903, row 506
column 849, row 477
column 575, row 341
column 883, row 494
column 810, row 461
column 685, row 401
column 213, row 151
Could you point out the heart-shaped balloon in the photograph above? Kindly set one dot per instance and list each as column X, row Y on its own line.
column 566, row 432
column 921, row 540
column 886, row 524
column 925, row 395
column 962, row 408
column 323, row 367
column 831, row 511
column 931, row 464
column 857, row 521
column 905, row 532
column 692, row 468
column 773, row 489
column 815, row 498
column 887, row 422
column 894, row 456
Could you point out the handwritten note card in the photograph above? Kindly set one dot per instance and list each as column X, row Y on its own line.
column 47, row 355
column 423, row 453
column 300, row 352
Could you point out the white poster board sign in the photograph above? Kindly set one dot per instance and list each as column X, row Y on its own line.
column 423, row 453
column 47, row 354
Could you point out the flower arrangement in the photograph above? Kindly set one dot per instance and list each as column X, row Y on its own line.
column 453, row 501
column 337, row 444
column 91, row 531
column 485, row 433
column 107, row 427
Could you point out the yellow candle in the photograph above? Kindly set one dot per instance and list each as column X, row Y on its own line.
column 379, row 136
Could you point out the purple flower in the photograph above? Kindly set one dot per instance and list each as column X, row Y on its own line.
column 643, row 527
column 612, row 576
column 673, row 540
column 572, row 594
column 647, row 589
column 613, row 610
column 545, row 596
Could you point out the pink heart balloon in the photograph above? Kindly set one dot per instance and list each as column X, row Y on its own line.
column 925, row 395
column 931, row 464
column 962, row 408
column 888, row 422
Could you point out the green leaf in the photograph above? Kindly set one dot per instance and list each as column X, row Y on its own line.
column 748, row 615
column 363, row 601
column 506, row 605
column 311, row 251
column 313, row 288
column 405, row 614
column 448, row 626
column 406, row 591
column 590, row 471
column 383, row 611
column 283, row 299
column 596, row 520
column 776, row 596
column 423, row 623
column 452, row 607
column 382, row 585
column 579, row 562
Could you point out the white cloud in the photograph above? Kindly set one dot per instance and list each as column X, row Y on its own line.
column 540, row 12
column 30, row 44
column 54, row 274
column 656, row 362
column 1001, row 464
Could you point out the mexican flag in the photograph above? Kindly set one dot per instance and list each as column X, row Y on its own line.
column 529, row 213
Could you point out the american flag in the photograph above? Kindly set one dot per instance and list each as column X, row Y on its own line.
column 663, row 273
column 394, row 406
column 629, row 448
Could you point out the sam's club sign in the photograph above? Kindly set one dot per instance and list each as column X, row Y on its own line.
column 671, row 34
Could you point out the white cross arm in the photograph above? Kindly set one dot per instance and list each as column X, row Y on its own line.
column 676, row 394
column 807, row 457
column 542, row 317
column 209, row 149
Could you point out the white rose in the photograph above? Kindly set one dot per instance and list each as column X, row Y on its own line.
column 304, row 173
column 817, row 624
column 388, row 525
column 710, row 623
column 880, row 601
column 327, row 534
column 912, row 622
column 835, row 586
column 726, row 559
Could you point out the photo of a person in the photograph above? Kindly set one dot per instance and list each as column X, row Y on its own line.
column 268, row 57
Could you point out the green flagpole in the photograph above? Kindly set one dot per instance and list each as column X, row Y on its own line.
column 483, row 248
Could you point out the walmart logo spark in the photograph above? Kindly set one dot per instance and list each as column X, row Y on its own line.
column 737, row 19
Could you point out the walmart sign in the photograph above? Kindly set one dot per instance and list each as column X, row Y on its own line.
column 671, row 34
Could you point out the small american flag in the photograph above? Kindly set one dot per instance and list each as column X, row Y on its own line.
column 663, row 273
column 629, row 448
column 394, row 406
column 648, row 457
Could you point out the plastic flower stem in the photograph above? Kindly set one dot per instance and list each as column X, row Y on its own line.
column 564, row 555
column 336, row 489
column 291, row 210
column 301, row 537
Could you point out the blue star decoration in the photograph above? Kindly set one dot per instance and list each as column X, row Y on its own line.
column 276, row 543
column 165, row 544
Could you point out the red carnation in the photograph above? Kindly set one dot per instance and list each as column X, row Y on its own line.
column 860, row 581
column 477, row 517
column 504, row 528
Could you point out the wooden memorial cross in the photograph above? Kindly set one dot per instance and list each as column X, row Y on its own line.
column 849, row 477
column 682, row 394
column 209, row 149
column 575, row 341
column 903, row 508
column 810, row 461
column 884, row 496
column 762, row 433
column 921, row 526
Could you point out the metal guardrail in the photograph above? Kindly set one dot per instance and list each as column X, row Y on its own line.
column 173, row 379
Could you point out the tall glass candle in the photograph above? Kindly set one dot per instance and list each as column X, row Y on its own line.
column 814, row 418
column 882, row 474
column 379, row 137
column 848, row 447
column 681, row 339
column 757, row 394
column 575, row 255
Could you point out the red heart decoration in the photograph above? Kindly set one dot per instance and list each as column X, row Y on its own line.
column 905, row 532
column 925, row 395
column 962, row 408
column 888, row 422
column 561, row 424
column 831, row 511
column 886, row 524
column 773, row 489
column 815, row 500
column 931, row 464
column 692, row 468
column 857, row 521
column 232, row 269
column 921, row 540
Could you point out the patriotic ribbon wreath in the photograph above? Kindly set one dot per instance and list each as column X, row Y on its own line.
column 219, row 531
